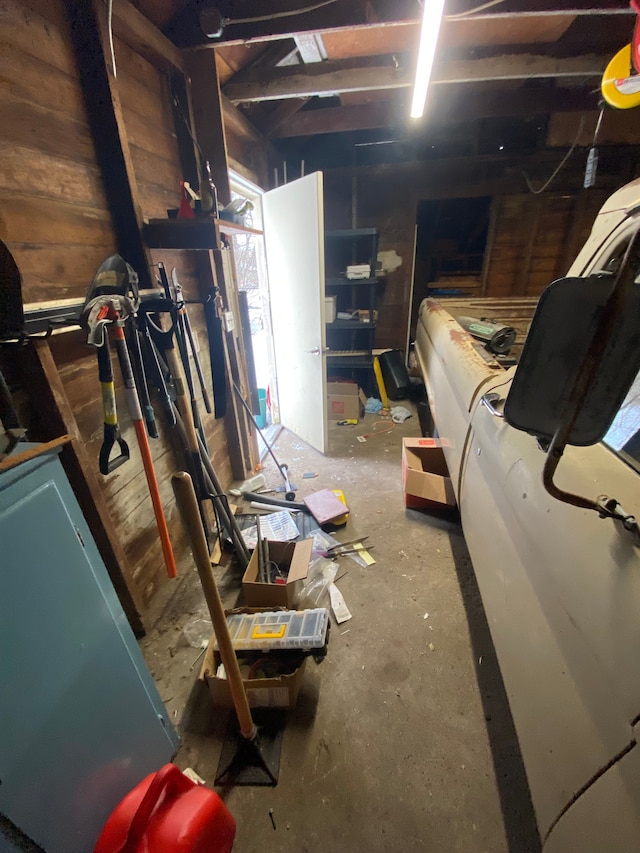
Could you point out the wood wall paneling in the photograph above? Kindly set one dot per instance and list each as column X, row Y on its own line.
column 55, row 218
column 387, row 198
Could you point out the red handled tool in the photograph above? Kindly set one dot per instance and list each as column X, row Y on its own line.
column 108, row 305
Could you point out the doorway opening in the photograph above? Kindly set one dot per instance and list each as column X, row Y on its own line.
column 253, row 288
column 451, row 240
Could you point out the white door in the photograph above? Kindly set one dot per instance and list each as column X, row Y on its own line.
column 294, row 239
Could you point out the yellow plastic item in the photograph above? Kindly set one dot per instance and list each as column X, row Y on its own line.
column 620, row 87
column 341, row 519
column 381, row 388
column 265, row 633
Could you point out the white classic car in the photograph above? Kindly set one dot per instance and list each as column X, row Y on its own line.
column 560, row 586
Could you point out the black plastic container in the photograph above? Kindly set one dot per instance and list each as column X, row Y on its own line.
column 395, row 375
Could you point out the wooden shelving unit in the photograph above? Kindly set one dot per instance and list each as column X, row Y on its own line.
column 202, row 233
column 350, row 341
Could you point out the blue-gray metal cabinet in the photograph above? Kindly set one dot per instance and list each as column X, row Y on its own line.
column 81, row 721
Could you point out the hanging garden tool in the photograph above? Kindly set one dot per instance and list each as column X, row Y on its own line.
column 187, row 332
column 212, row 488
column 152, row 310
column 111, row 300
column 181, row 340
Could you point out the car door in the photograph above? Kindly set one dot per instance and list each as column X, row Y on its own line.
column 561, row 589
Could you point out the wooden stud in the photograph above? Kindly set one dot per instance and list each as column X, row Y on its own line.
column 88, row 29
column 40, row 375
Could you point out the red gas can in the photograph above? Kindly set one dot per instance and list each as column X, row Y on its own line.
column 168, row 813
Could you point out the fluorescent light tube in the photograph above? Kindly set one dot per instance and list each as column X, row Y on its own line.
column 431, row 21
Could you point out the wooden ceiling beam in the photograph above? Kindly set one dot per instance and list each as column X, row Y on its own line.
column 185, row 31
column 280, row 115
column 335, row 77
column 531, row 102
column 142, row 36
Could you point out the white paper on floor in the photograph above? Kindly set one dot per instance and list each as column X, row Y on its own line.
column 278, row 527
column 338, row 605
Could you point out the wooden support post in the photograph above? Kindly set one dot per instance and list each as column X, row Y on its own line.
column 88, row 31
column 200, row 106
column 40, row 374
column 207, row 113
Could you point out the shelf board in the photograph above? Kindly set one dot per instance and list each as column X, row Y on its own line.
column 201, row 233
column 234, row 228
column 351, row 361
column 352, row 232
column 351, row 324
column 342, row 282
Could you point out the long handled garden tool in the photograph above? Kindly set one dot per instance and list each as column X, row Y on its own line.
column 163, row 338
column 214, row 491
column 101, row 310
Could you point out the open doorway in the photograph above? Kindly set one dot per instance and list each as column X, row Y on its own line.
column 253, row 287
column 451, row 240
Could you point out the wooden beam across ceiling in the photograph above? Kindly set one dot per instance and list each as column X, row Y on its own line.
column 346, row 15
column 335, row 77
column 530, row 102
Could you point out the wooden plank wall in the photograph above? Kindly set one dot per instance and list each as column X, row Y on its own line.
column 534, row 237
column 54, row 218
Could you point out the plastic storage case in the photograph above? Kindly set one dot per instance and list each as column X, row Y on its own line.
column 282, row 630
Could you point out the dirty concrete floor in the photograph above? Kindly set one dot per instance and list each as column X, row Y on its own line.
column 402, row 738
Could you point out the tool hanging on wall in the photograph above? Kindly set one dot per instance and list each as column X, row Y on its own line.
column 187, row 331
column 183, row 349
column 159, row 376
column 163, row 338
column 104, row 307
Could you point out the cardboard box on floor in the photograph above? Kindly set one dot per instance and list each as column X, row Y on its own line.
column 425, row 476
column 279, row 692
column 292, row 557
column 345, row 401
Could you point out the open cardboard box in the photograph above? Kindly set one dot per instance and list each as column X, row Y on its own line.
column 425, row 476
column 345, row 401
column 291, row 557
column 279, row 692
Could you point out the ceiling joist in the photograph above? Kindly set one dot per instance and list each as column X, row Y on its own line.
column 529, row 102
column 346, row 15
column 336, row 77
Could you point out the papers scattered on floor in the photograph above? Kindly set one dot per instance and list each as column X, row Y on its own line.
column 278, row 527
column 338, row 605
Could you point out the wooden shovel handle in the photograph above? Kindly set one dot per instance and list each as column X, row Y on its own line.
column 188, row 506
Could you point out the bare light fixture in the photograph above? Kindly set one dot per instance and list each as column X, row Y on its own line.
column 431, row 21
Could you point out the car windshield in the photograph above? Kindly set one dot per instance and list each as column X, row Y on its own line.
column 623, row 435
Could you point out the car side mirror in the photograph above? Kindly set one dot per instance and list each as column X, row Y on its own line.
column 564, row 329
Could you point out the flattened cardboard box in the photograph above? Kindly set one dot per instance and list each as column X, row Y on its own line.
column 345, row 401
column 279, row 692
column 425, row 476
column 294, row 556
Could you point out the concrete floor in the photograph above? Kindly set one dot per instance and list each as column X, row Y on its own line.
column 401, row 739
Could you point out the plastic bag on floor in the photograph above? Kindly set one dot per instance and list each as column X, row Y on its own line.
column 322, row 573
column 197, row 632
